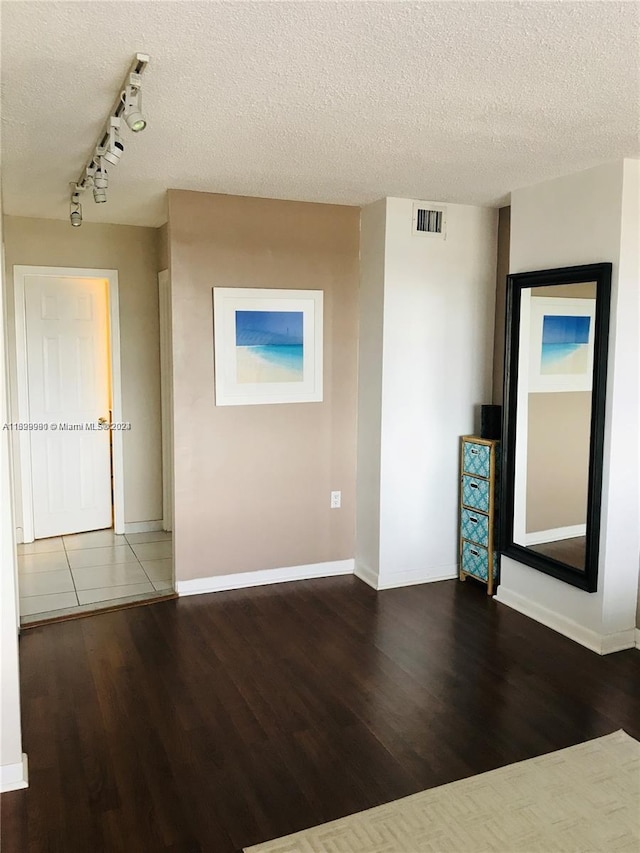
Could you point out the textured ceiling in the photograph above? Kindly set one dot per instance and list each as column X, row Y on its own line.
column 333, row 102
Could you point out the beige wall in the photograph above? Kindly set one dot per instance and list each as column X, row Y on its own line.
column 568, row 291
column 558, row 460
column 133, row 252
column 504, row 229
column 163, row 247
column 252, row 483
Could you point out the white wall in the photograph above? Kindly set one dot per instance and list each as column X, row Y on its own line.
column 436, row 369
column 13, row 763
column 621, row 490
column 586, row 218
column 370, row 313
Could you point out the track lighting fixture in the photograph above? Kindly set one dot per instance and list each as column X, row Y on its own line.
column 75, row 214
column 109, row 148
column 132, row 98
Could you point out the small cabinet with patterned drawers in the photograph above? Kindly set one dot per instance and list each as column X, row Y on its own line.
column 479, row 462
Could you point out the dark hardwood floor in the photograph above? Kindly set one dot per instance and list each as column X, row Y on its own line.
column 210, row 723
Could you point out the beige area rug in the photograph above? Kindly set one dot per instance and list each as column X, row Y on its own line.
column 585, row 799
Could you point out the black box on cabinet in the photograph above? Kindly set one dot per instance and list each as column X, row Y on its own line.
column 491, row 422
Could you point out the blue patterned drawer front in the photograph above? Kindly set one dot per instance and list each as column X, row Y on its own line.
column 474, row 526
column 476, row 459
column 475, row 560
column 475, row 493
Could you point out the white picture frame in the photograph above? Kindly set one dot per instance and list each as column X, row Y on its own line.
column 577, row 374
column 267, row 346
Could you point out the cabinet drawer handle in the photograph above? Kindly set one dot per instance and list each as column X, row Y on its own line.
column 475, row 451
column 473, row 519
column 473, row 486
column 474, row 552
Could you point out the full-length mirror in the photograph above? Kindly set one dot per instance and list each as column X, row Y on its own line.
column 555, row 385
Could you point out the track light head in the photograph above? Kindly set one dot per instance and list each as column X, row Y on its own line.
column 96, row 176
column 100, row 178
column 100, row 182
column 114, row 147
column 114, row 154
column 136, row 122
column 132, row 97
column 75, row 213
column 133, row 114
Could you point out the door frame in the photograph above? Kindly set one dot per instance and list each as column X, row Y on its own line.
column 22, row 415
column 166, row 397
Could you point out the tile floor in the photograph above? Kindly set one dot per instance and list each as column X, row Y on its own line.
column 87, row 571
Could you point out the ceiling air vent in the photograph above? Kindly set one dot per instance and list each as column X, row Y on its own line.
column 429, row 221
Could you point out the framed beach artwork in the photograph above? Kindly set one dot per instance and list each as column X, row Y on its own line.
column 268, row 346
column 561, row 344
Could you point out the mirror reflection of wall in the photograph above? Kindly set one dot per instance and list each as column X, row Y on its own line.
column 554, row 420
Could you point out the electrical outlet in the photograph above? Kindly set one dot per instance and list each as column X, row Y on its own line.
column 336, row 499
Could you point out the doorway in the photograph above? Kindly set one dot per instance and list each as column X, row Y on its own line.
column 70, row 470
column 76, row 555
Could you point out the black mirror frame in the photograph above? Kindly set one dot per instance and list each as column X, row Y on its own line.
column 601, row 274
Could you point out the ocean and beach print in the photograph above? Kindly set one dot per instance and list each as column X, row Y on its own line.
column 269, row 346
column 565, row 345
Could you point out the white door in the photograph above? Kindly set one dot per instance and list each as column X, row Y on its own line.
column 67, row 330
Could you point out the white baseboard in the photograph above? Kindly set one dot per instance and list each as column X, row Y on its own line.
column 602, row 644
column 410, row 577
column 366, row 574
column 14, row 776
column 219, row 583
column 618, row 642
column 556, row 534
column 143, row 526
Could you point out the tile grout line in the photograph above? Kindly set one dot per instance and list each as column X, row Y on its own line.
column 141, row 566
column 151, row 581
column 73, row 580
